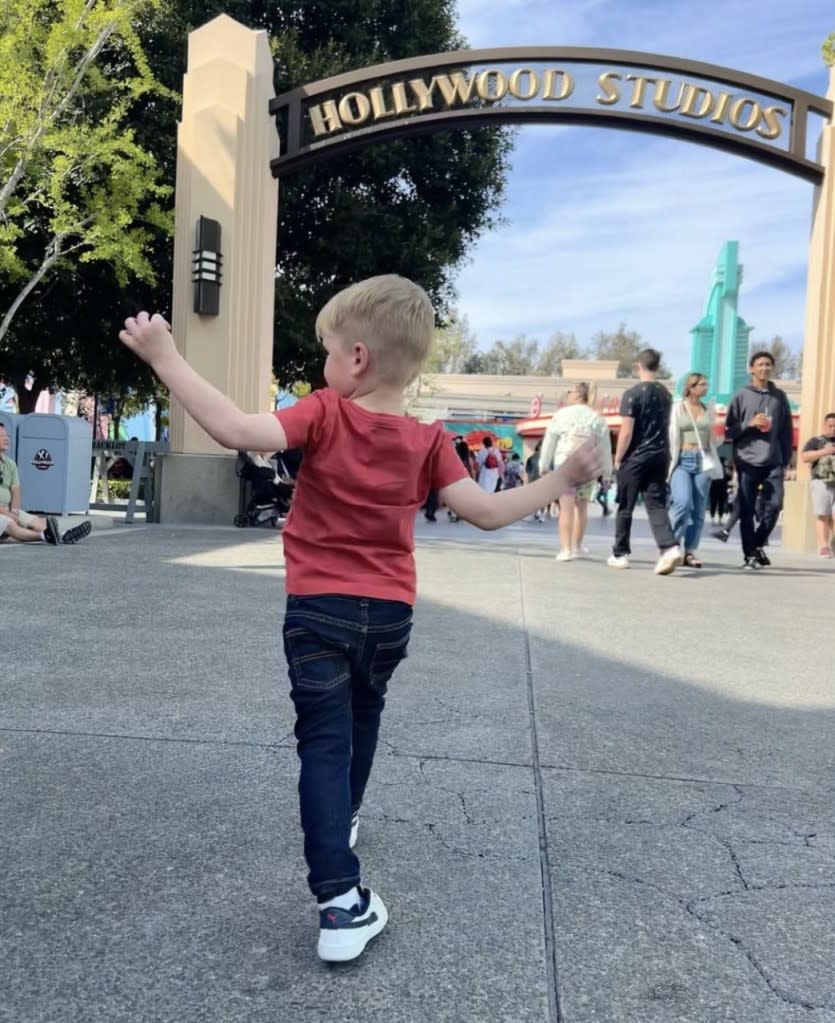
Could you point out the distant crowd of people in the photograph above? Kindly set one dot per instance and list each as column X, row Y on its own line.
column 667, row 457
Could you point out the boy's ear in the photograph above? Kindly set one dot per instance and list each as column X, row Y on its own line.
column 360, row 357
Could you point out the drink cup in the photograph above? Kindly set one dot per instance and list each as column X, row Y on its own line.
column 765, row 426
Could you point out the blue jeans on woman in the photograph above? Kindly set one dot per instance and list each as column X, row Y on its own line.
column 689, row 487
column 341, row 653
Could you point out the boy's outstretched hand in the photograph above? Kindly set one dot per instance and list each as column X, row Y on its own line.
column 585, row 464
column 149, row 337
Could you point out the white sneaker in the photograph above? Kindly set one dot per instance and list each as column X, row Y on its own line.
column 344, row 933
column 566, row 556
column 539, row 517
column 669, row 561
column 618, row 561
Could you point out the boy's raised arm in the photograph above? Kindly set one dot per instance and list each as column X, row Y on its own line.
column 492, row 511
column 149, row 337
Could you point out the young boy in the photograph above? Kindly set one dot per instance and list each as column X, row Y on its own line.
column 348, row 546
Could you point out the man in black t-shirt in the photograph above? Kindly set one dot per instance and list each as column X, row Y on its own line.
column 642, row 462
column 823, row 491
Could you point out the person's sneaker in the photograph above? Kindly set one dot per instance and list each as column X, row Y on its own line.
column 566, row 556
column 618, row 561
column 721, row 534
column 669, row 561
column 762, row 558
column 344, row 933
column 52, row 533
column 355, row 827
column 750, row 565
column 825, row 552
column 76, row 533
column 539, row 517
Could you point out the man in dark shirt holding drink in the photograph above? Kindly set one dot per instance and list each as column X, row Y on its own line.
column 642, row 462
column 759, row 424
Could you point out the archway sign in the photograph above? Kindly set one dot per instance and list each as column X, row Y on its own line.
column 229, row 152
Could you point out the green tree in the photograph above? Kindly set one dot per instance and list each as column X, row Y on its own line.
column 828, row 50
column 787, row 362
column 75, row 185
column 411, row 206
column 623, row 346
column 454, row 345
column 560, row 346
column 515, row 358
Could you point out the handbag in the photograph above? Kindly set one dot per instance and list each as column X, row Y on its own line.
column 710, row 463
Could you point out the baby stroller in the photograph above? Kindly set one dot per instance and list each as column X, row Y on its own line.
column 264, row 498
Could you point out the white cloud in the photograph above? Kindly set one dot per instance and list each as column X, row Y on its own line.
column 607, row 226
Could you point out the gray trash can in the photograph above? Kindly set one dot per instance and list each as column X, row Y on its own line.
column 54, row 455
column 10, row 420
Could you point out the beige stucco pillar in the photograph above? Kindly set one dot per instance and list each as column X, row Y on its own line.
column 225, row 142
column 817, row 393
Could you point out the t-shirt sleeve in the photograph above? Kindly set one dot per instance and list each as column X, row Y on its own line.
column 303, row 421
column 14, row 480
column 813, row 444
column 630, row 403
column 446, row 467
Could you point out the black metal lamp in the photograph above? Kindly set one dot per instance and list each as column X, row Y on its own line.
column 206, row 265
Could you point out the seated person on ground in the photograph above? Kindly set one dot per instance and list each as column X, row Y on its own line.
column 16, row 524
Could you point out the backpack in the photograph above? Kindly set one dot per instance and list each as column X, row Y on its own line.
column 491, row 461
column 826, row 469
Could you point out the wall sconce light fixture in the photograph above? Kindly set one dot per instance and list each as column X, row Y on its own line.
column 206, row 265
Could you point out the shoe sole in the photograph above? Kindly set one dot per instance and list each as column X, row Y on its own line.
column 620, row 568
column 344, row 945
column 76, row 533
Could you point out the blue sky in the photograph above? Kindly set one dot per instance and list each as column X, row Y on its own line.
column 607, row 227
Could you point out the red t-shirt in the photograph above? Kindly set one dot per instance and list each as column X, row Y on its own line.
column 363, row 479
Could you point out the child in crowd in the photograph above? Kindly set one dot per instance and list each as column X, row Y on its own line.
column 348, row 546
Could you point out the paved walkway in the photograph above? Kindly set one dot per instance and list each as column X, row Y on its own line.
column 601, row 796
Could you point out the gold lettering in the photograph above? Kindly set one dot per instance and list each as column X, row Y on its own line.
column 423, row 93
column 773, row 129
column 692, row 93
column 736, row 115
column 551, row 77
column 354, row 108
column 722, row 108
column 662, row 87
column 401, row 104
column 638, row 92
column 378, row 104
column 455, row 88
column 497, row 91
column 516, row 88
column 324, row 118
column 612, row 92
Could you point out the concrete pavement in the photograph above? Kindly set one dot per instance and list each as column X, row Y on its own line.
column 601, row 796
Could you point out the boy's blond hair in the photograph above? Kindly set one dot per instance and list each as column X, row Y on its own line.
column 392, row 316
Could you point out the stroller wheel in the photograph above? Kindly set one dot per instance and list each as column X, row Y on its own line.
column 241, row 521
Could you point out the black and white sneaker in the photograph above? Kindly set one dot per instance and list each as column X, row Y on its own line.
column 76, row 533
column 355, row 827
column 762, row 558
column 344, row 933
column 52, row 533
column 750, row 564
column 721, row 534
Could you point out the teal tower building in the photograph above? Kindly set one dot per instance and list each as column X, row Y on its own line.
column 720, row 339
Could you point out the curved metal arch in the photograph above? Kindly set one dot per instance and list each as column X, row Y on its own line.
column 792, row 160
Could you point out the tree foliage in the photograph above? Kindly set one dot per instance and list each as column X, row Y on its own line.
column 412, row 206
column 623, row 346
column 76, row 187
column 454, row 346
column 828, row 50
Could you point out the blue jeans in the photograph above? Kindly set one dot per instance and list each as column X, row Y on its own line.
column 341, row 653
column 689, row 488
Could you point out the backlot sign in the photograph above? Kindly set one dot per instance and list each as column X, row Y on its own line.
column 716, row 106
